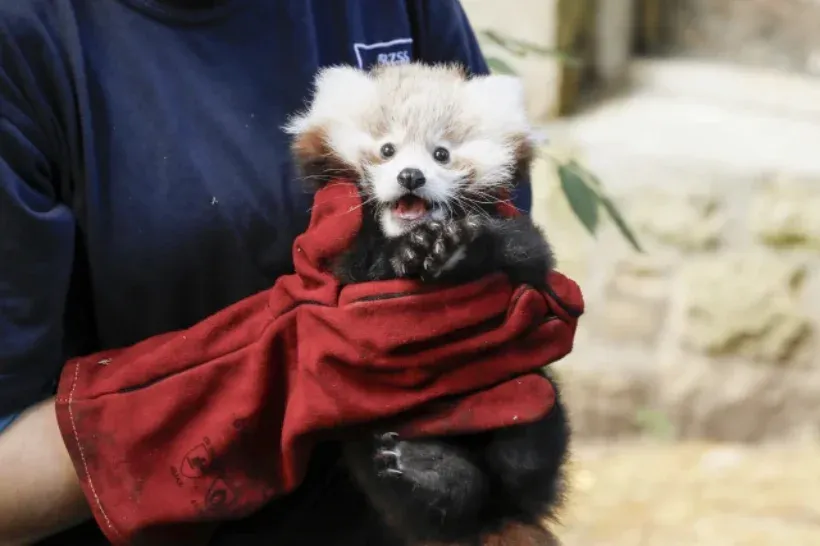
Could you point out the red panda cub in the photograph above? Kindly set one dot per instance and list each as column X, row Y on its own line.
column 432, row 151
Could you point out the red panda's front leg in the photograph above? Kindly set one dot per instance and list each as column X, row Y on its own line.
column 425, row 489
column 528, row 460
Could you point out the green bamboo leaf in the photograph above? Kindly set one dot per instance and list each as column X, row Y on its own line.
column 582, row 199
column 504, row 42
column 500, row 67
column 590, row 178
column 625, row 230
column 609, row 206
column 521, row 48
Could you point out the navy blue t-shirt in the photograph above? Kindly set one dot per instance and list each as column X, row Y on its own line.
column 145, row 181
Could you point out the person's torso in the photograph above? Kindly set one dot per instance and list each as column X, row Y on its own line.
column 182, row 183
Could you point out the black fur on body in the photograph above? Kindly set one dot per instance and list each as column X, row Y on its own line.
column 489, row 489
column 467, row 490
column 454, row 490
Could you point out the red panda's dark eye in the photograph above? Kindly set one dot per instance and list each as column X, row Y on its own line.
column 441, row 155
column 388, row 150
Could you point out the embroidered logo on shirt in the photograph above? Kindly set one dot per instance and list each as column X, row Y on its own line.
column 398, row 51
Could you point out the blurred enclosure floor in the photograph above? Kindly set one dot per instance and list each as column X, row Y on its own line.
column 694, row 386
column 693, row 494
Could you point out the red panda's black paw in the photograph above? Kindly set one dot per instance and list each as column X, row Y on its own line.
column 433, row 248
column 430, row 489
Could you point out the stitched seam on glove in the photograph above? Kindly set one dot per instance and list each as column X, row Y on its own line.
column 81, row 451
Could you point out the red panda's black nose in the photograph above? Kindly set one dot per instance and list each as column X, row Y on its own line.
column 411, row 179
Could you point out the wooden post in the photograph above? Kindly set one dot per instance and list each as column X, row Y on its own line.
column 576, row 36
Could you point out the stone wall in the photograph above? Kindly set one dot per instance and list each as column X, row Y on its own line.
column 773, row 33
column 712, row 333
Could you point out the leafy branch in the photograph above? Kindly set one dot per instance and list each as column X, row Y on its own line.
column 584, row 191
column 519, row 48
column 586, row 197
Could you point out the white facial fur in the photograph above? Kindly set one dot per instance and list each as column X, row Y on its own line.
column 481, row 122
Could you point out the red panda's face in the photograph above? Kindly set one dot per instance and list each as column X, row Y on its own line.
column 422, row 141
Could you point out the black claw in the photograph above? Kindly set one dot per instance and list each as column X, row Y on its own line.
column 472, row 223
column 439, row 248
column 419, row 238
column 390, row 473
column 399, row 267
column 387, row 456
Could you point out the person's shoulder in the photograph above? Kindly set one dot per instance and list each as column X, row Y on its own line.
column 34, row 38
column 21, row 16
column 26, row 23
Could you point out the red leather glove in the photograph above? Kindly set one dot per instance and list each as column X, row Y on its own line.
column 185, row 429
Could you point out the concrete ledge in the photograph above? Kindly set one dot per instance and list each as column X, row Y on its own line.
column 768, row 89
column 703, row 115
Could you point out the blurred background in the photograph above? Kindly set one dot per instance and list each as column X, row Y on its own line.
column 694, row 387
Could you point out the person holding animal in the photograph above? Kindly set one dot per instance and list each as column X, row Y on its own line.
column 146, row 186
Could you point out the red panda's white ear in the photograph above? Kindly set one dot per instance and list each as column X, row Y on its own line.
column 496, row 87
column 343, row 83
column 340, row 93
column 498, row 99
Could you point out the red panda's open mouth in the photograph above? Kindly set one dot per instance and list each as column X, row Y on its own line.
column 410, row 207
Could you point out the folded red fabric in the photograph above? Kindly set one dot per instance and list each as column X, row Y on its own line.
column 206, row 424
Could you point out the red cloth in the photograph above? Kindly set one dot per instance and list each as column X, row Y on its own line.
column 209, row 423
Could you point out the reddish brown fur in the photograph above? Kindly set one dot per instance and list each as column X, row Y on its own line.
column 317, row 160
column 466, row 166
column 522, row 535
column 459, row 132
column 524, row 155
column 515, row 534
column 372, row 158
